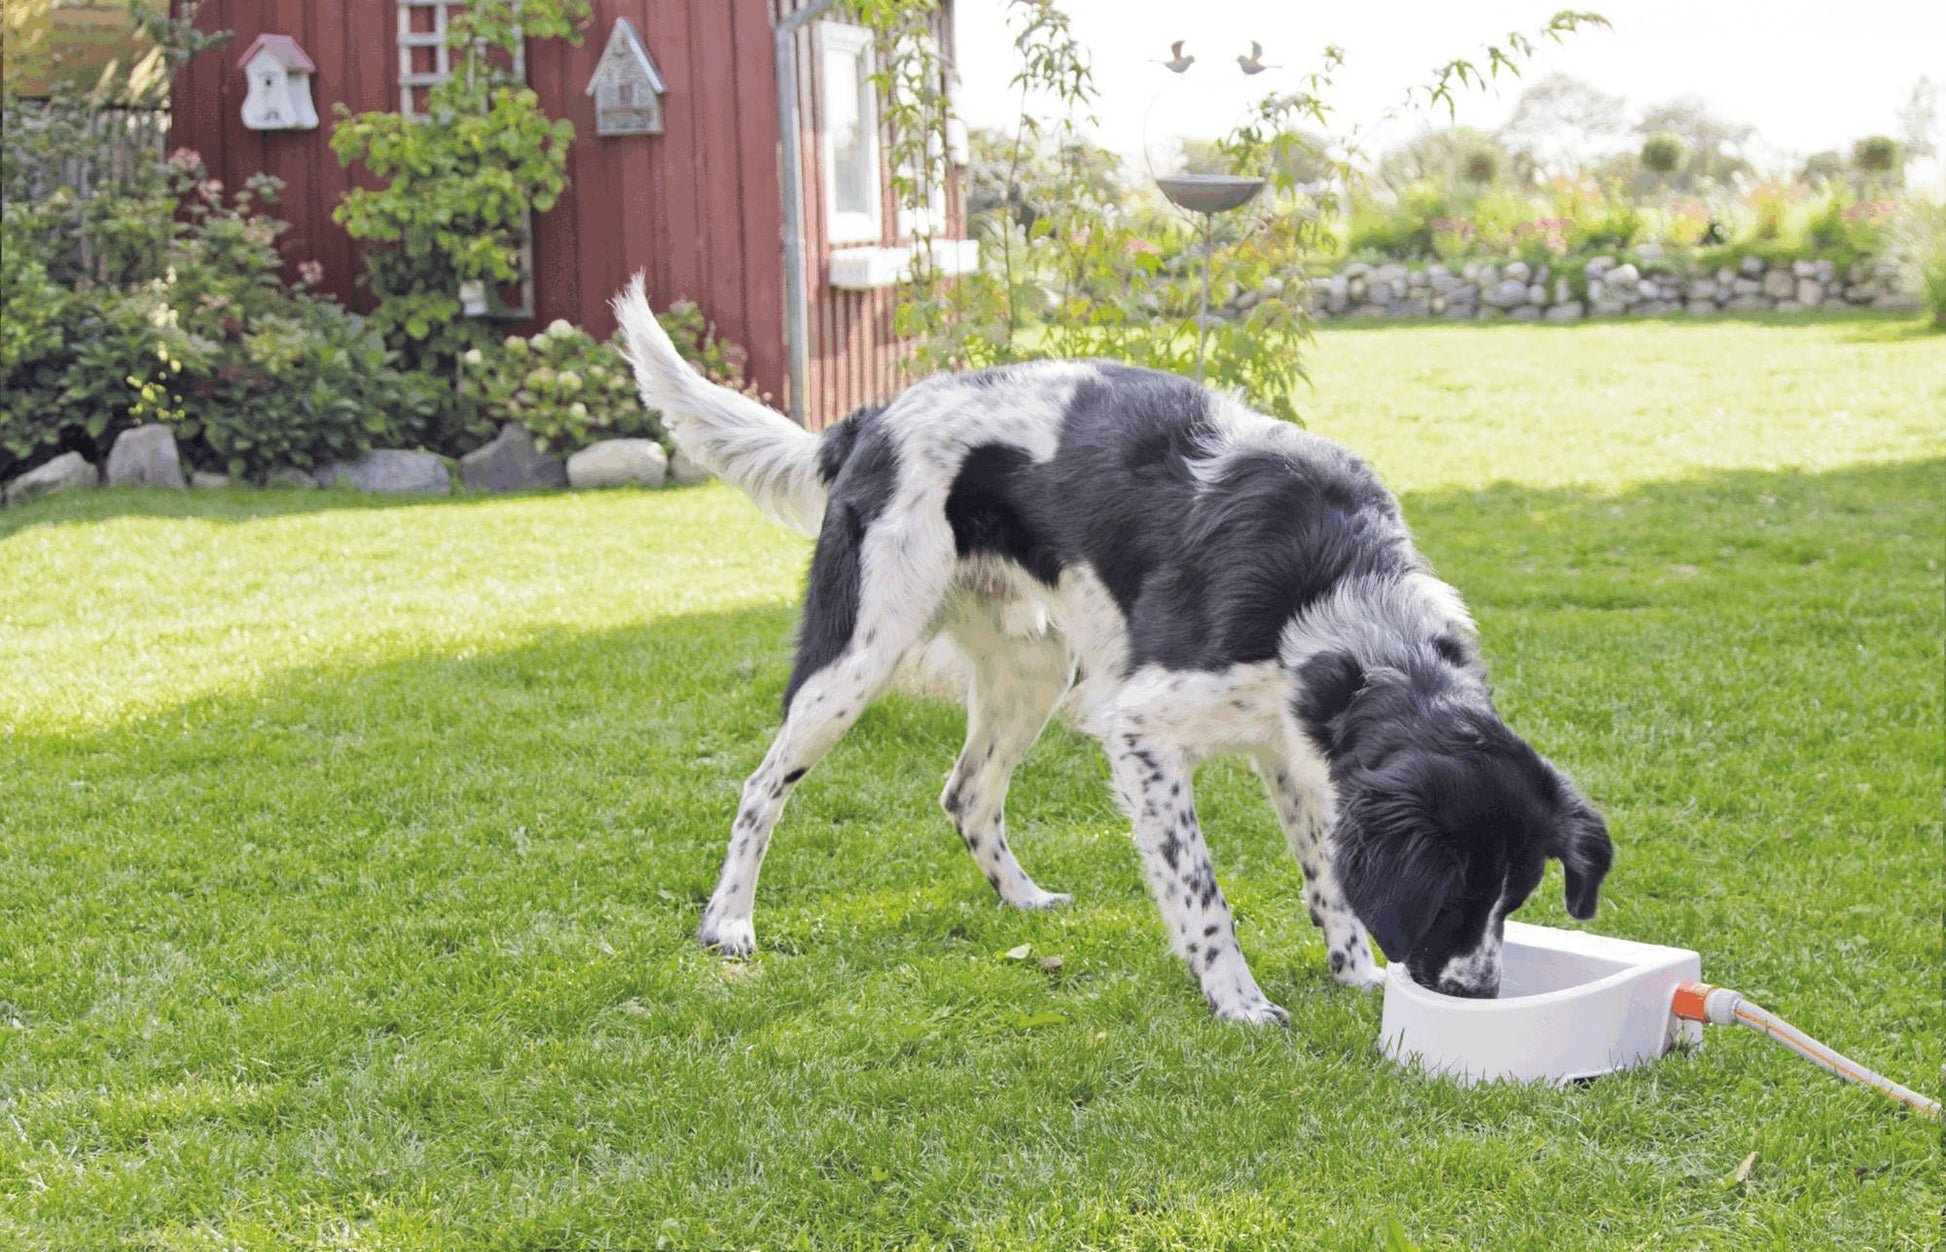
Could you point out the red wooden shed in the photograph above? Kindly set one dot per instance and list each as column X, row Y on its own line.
column 699, row 206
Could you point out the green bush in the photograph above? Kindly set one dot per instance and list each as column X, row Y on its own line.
column 1664, row 152
column 254, row 374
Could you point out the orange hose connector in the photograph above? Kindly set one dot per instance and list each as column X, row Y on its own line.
column 1700, row 1002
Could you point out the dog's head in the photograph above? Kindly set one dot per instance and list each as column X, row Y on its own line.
column 1446, row 820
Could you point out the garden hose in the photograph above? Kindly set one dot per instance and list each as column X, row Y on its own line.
column 1700, row 1002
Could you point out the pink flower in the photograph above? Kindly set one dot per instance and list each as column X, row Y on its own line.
column 310, row 273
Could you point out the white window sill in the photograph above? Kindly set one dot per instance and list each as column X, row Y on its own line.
column 867, row 269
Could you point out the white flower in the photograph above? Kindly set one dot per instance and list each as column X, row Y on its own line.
column 578, row 411
column 473, row 356
column 569, row 380
column 538, row 342
column 560, row 329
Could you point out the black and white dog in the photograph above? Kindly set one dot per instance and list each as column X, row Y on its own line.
column 1219, row 580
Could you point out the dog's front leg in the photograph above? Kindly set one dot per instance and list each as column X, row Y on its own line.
column 1304, row 809
column 1155, row 785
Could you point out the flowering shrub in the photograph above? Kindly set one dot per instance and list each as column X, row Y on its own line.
column 570, row 391
column 565, row 388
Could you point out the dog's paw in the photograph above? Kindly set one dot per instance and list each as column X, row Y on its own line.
column 1257, row 1012
column 1361, row 975
column 1041, row 901
column 729, row 936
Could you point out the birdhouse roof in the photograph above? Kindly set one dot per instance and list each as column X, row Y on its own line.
column 625, row 48
column 284, row 48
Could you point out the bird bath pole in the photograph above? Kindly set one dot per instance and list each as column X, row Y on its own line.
column 1207, row 194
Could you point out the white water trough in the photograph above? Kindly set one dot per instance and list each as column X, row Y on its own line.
column 1571, row 1006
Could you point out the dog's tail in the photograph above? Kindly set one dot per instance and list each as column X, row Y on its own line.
column 770, row 458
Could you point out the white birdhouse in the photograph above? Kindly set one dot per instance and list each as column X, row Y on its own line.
column 627, row 86
column 280, row 85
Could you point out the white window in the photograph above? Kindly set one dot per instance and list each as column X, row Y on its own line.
column 853, row 193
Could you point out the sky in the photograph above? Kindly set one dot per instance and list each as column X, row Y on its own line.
column 1808, row 74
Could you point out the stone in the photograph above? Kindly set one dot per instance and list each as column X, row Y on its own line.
column 1487, row 313
column 511, row 462
column 1810, row 292
column 1357, row 269
column 1520, row 271
column 1607, row 308
column 1825, row 271
column 1725, row 276
column 292, row 477
column 390, row 471
column 1526, row 313
column 208, row 480
column 1408, row 308
column 1355, row 289
column 1861, row 293
column 1654, row 308
column 1779, row 284
column 1627, row 293
column 1599, row 265
column 1700, row 304
column 1392, row 273
column 1746, row 287
column 1748, row 304
column 145, row 456
column 1507, row 294
column 1380, row 292
column 1649, row 290
column 1898, row 301
column 68, row 472
column 1751, row 267
column 618, row 463
column 1272, row 288
column 1563, row 291
column 1458, row 312
column 1804, row 269
column 1565, row 311
column 685, row 472
column 1623, row 274
column 1437, row 304
column 1595, row 287
column 1537, row 293
column 1789, row 306
column 1702, row 289
column 1247, row 299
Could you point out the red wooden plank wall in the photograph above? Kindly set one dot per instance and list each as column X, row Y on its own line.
column 698, row 208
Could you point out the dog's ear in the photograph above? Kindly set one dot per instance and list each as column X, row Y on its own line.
column 1395, row 876
column 1581, row 841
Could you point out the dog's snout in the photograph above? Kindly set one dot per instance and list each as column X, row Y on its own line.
column 1484, row 989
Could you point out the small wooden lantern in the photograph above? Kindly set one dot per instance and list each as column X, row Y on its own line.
column 279, row 74
column 627, row 86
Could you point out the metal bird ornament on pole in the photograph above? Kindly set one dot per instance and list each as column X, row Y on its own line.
column 1205, row 194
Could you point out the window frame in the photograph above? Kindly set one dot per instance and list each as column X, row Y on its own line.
column 837, row 39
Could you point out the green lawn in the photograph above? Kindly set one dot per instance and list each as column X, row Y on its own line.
column 350, row 853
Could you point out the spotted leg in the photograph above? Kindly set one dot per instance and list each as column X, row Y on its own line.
column 1154, row 783
column 1304, row 807
column 856, row 630
column 1015, row 685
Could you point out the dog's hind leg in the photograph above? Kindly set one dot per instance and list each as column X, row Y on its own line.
column 1304, row 809
column 1015, row 684
column 855, row 632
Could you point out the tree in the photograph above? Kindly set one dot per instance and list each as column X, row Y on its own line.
column 1919, row 120
column 1474, row 157
column 1716, row 147
column 1561, row 123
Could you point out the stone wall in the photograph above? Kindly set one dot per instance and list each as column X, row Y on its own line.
column 1646, row 284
